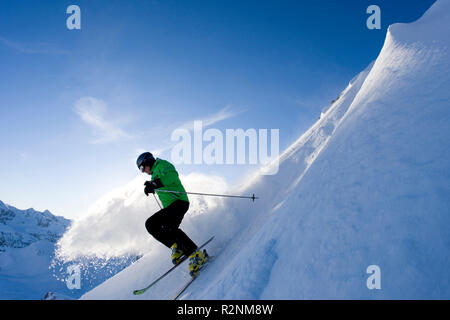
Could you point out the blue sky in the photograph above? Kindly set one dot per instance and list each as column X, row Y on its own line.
column 78, row 106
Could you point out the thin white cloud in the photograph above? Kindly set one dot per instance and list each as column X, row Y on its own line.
column 221, row 115
column 93, row 112
column 38, row 48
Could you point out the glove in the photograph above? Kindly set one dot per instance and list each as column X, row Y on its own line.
column 150, row 186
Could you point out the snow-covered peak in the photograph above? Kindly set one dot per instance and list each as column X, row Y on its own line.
column 3, row 206
column 431, row 29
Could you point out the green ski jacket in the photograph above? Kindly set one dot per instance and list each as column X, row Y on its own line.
column 166, row 172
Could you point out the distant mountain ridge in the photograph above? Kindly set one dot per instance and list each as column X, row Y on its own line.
column 20, row 228
column 28, row 267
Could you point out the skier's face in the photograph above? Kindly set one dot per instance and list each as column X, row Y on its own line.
column 147, row 170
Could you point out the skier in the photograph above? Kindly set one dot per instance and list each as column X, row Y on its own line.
column 164, row 224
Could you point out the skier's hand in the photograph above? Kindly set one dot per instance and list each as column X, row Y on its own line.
column 150, row 187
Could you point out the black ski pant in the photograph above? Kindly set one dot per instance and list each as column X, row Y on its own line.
column 164, row 227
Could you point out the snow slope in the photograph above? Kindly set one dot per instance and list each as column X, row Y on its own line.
column 368, row 184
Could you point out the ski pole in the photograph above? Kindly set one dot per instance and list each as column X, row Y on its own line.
column 157, row 201
column 210, row 194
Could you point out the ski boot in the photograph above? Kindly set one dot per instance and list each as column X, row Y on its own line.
column 196, row 261
column 177, row 254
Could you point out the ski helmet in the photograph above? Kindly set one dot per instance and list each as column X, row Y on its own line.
column 145, row 159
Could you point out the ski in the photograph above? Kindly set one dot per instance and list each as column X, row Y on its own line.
column 141, row 291
column 183, row 289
